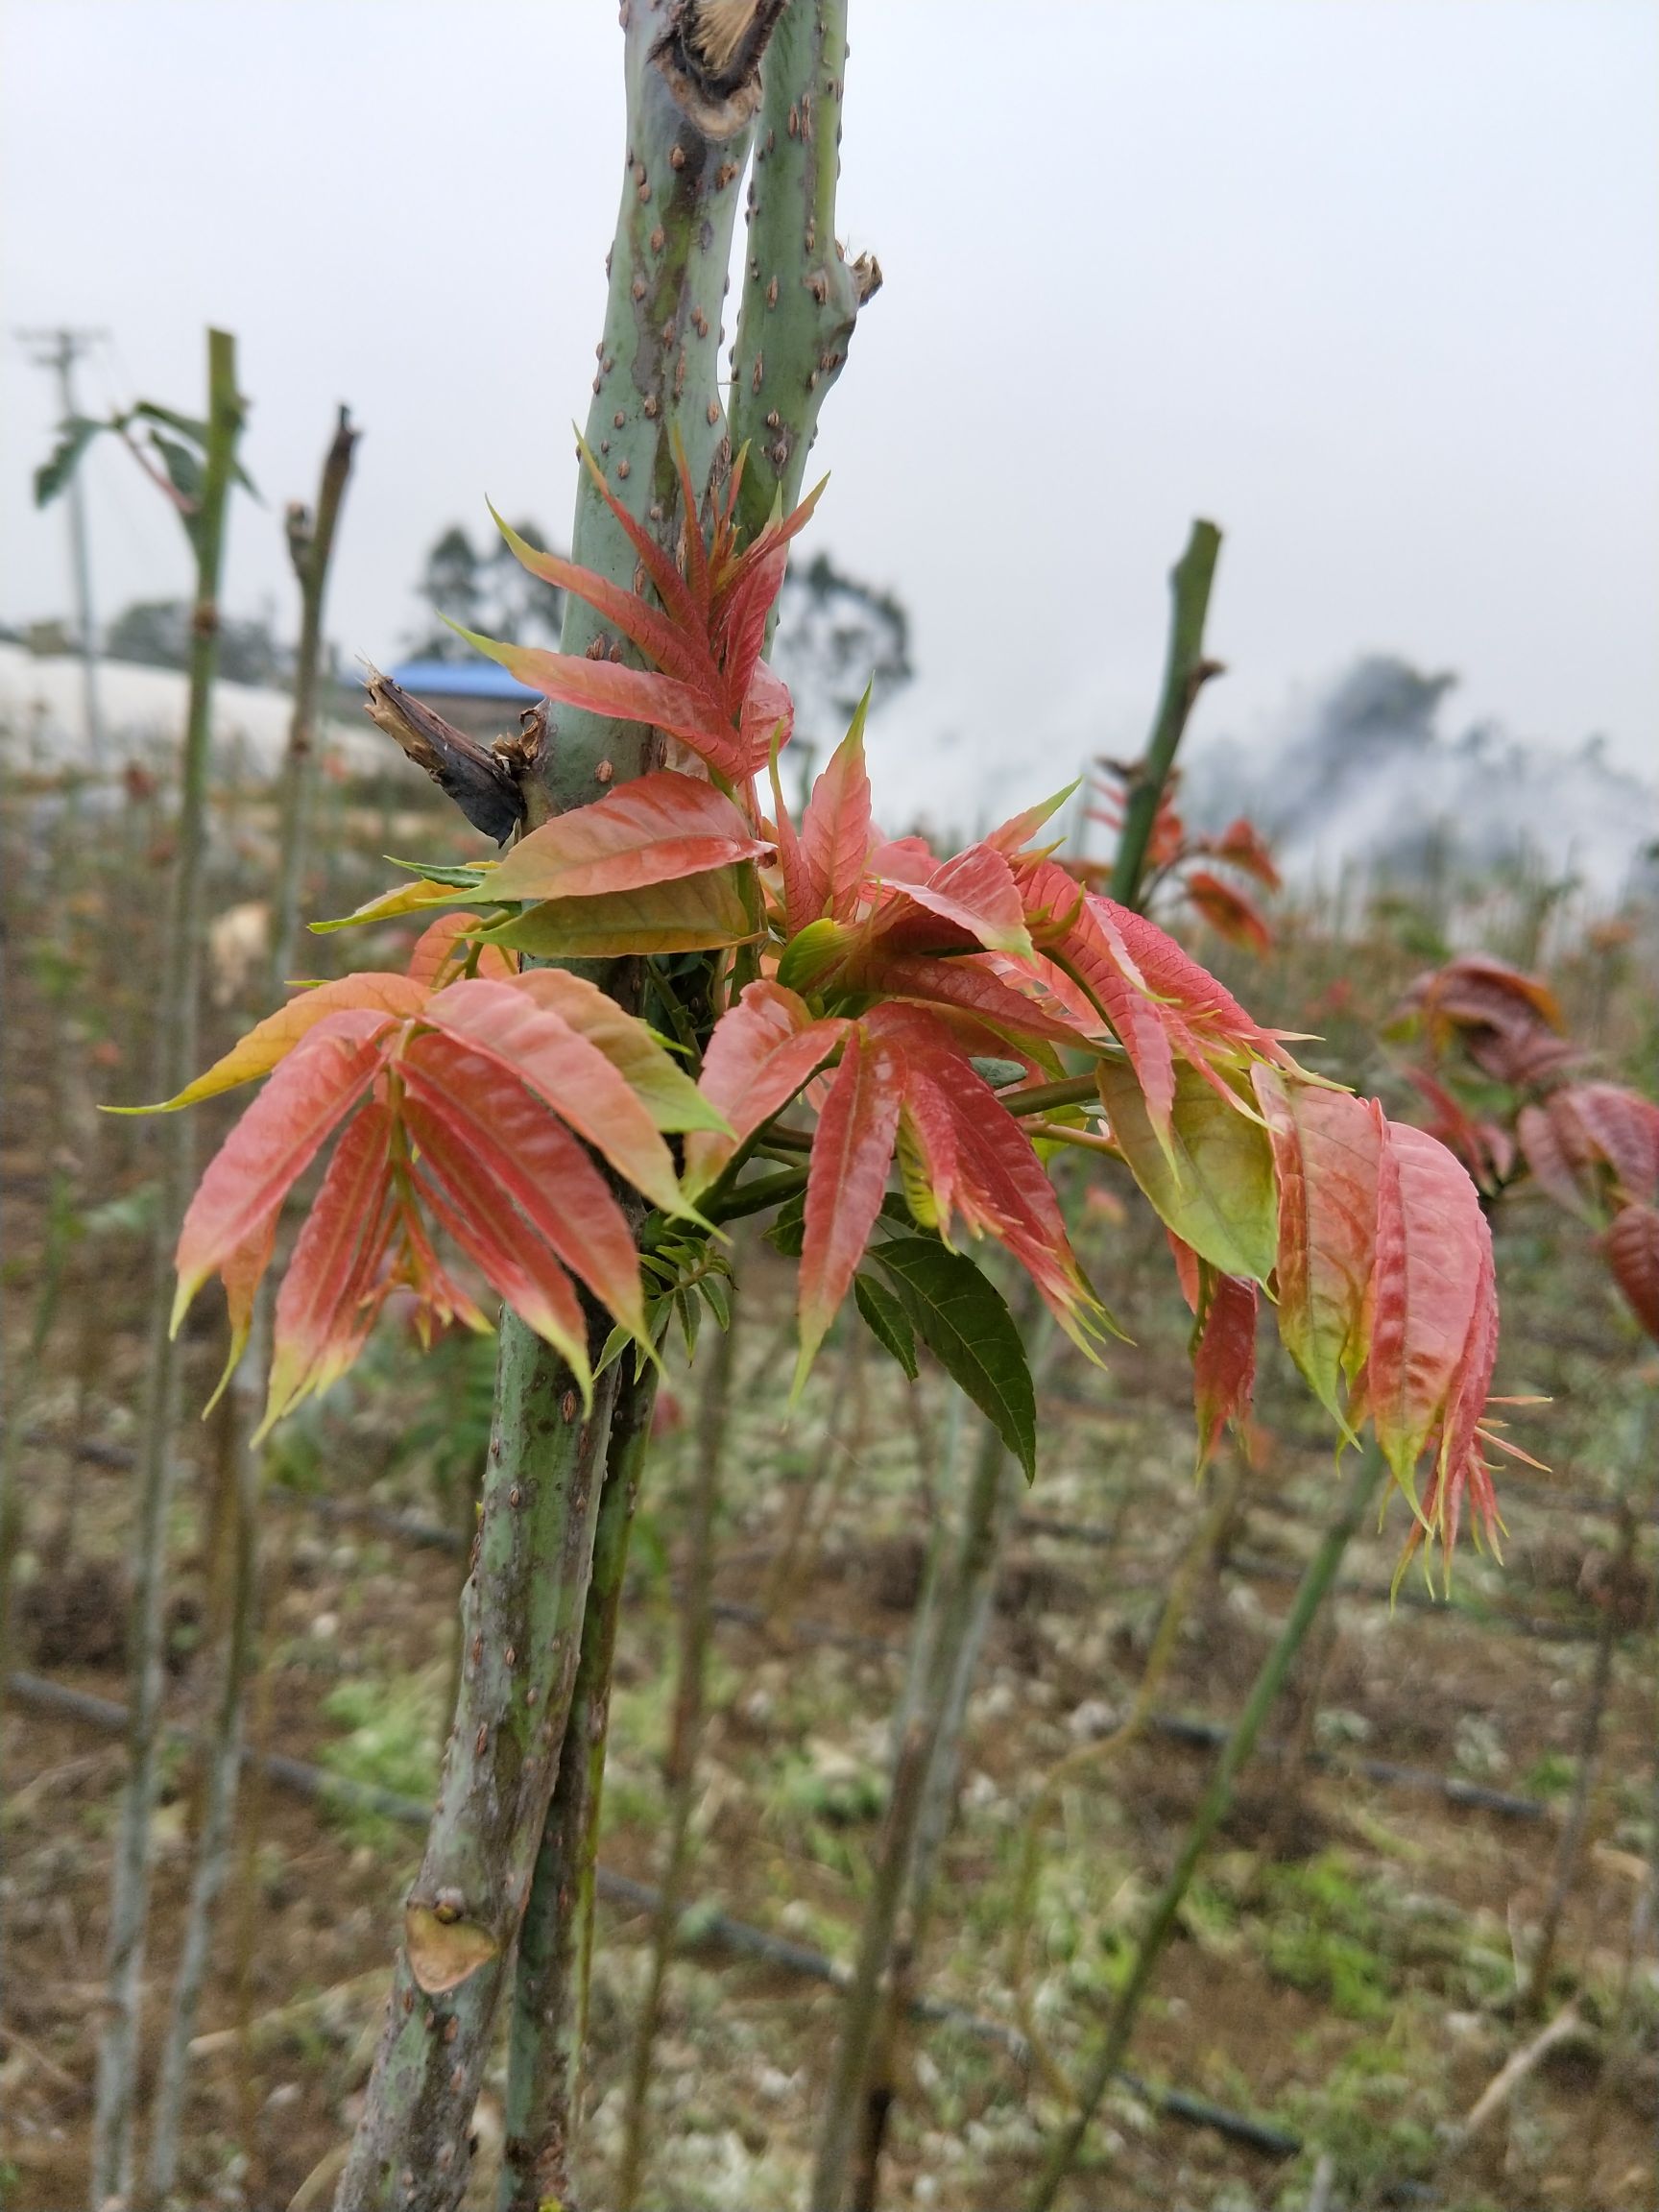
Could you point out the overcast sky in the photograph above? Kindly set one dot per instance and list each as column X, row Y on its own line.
column 1375, row 283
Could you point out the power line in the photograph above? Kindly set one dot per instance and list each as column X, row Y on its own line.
column 58, row 349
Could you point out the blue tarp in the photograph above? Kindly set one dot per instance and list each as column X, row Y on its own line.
column 461, row 680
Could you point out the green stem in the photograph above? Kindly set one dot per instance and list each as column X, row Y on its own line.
column 688, row 129
column 1186, row 672
column 310, row 546
column 129, row 1884
column 685, row 1739
column 1310, row 1594
column 521, row 1625
column 801, row 294
column 556, row 1942
column 225, row 1756
column 944, row 1640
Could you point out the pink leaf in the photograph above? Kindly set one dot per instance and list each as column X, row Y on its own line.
column 851, row 1151
column 762, row 1052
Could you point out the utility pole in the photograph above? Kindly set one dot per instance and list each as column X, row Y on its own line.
column 59, row 350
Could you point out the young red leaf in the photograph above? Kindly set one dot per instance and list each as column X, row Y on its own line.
column 652, row 830
column 686, row 609
column 1085, row 941
column 440, row 946
column 835, row 827
column 768, row 716
column 961, row 987
column 656, row 1078
column 273, row 1143
column 800, row 897
column 851, row 1150
column 325, row 1310
column 1478, row 991
column 679, row 648
column 1242, row 845
column 975, row 891
column 242, row 1272
column 1460, row 1464
column 746, row 589
column 1228, row 912
column 1325, row 1152
column 1623, row 1128
column 1189, row 1270
column 506, row 1025
column 271, row 1041
column 1483, row 1146
column 1632, row 1248
column 627, row 694
column 513, row 1259
column 460, row 1108
column 1224, row 1361
column 978, row 1162
column 1011, row 837
column 1430, row 1239
column 1207, row 1022
column 762, row 1052
column 1553, row 1146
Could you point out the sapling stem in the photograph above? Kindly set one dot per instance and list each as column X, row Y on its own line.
column 310, row 543
column 1200, row 1554
column 1310, row 1593
column 1186, row 672
column 966, row 1610
column 1535, row 1991
column 945, row 1638
column 684, row 1743
column 152, row 1488
column 550, row 1982
column 310, row 549
column 224, row 1768
column 654, row 397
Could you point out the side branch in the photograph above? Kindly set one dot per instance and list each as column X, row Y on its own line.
column 1185, row 673
column 801, row 294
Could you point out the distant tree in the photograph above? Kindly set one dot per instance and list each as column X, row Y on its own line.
column 836, row 634
column 155, row 634
column 486, row 592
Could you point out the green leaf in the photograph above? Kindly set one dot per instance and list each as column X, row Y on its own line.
column 184, row 468
column 53, row 473
column 690, row 915
column 189, row 426
column 689, row 1309
column 403, row 899
column 961, row 1318
column 889, row 1323
column 999, row 1073
column 787, row 1234
column 457, row 878
column 1213, row 1186
column 811, row 952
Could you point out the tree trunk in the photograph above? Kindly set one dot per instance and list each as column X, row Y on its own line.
column 692, row 86
column 152, row 1491
column 556, row 1942
column 684, row 1741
